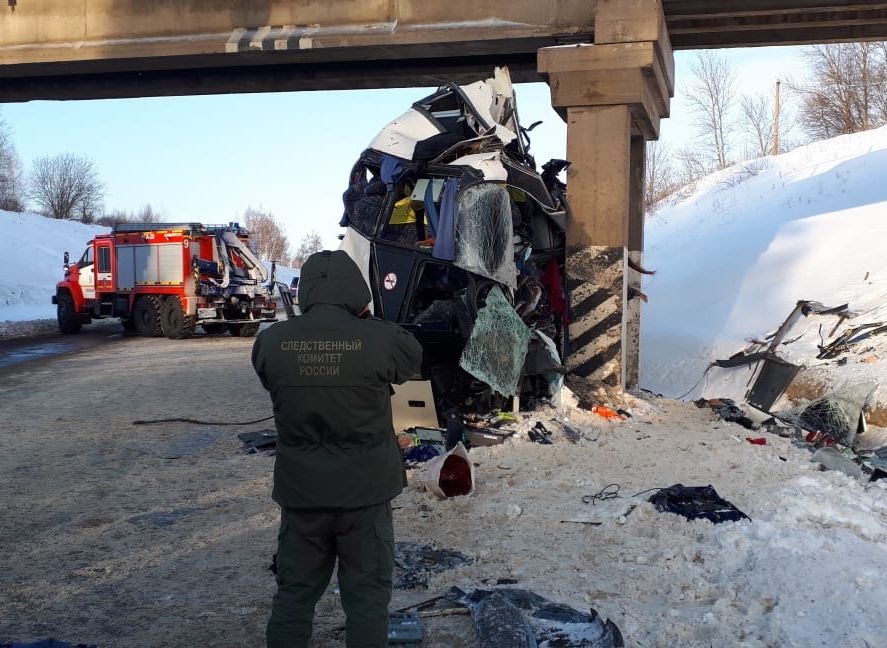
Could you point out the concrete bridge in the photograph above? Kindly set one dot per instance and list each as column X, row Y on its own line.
column 612, row 94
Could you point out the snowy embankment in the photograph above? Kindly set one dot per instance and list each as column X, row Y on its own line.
column 32, row 248
column 733, row 258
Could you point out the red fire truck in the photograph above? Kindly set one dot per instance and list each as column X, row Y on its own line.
column 167, row 278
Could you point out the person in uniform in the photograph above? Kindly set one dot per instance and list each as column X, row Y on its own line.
column 338, row 464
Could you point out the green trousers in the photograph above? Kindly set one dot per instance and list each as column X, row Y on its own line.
column 308, row 545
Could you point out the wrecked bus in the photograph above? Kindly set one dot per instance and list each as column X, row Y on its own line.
column 461, row 240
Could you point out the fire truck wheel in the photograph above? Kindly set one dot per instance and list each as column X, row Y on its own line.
column 176, row 325
column 243, row 330
column 146, row 316
column 68, row 321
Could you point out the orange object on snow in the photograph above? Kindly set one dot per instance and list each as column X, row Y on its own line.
column 606, row 412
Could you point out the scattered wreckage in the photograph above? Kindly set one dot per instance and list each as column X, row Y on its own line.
column 461, row 241
column 829, row 425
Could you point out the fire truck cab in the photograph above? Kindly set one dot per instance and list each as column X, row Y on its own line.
column 165, row 279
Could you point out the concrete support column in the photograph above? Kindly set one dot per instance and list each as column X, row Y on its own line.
column 612, row 95
column 634, row 296
column 597, row 183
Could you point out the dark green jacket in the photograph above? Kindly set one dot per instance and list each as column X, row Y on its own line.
column 330, row 374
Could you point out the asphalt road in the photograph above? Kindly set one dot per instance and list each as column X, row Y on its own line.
column 18, row 352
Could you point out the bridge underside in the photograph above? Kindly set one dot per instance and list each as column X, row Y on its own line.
column 57, row 49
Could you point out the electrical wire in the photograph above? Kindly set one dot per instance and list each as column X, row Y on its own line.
column 197, row 422
column 608, row 492
column 698, row 382
column 649, row 490
column 611, row 491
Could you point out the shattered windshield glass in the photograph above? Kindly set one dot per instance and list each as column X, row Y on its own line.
column 498, row 344
column 484, row 237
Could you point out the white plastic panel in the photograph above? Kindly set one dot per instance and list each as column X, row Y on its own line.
column 399, row 137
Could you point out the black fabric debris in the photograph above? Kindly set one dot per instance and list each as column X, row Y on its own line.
column 514, row 618
column 573, row 435
column 540, row 434
column 727, row 410
column 878, row 475
column 416, row 563
column 696, row 502
column 259, row 441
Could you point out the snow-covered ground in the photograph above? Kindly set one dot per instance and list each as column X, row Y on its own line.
column 161, row 536
column 733, row 258
column 32, row 248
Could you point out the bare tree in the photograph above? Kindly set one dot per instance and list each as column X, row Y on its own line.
column 67, row 186
column 758, row 124
column 880, row 81
column 147, row 214
column 311, row 243
column 112, row 217
column 659, row 176
column 847, row 89
column 11, row 176
column 711, row 96
column 267, row 236
column 691, row 166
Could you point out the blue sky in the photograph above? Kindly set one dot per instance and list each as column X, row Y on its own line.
column 209, row 158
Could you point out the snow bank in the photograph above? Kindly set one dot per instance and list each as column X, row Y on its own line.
column 806, row 570
column 734, row 257
column 32, row 248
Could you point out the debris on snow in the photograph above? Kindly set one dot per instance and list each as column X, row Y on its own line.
column 516, row 618
column 416, row 563
column 803, row 225
column 696, row 503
